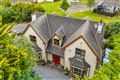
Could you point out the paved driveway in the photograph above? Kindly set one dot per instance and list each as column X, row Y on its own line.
column 49, row 73
column 77, row 7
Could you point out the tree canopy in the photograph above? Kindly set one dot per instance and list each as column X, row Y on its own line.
column 17, row 57
column 19, row 12
column 65, row 5
column 90, row 3
column 112, row 28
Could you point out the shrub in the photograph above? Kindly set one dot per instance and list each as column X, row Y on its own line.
column 64, row 5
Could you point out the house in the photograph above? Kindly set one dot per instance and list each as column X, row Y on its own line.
column 106, row 55
column 111, row 5
column 15, row 1
column 75, row 44
column 36, row 1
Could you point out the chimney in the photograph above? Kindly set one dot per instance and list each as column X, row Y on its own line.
column 100, row 27
column 33, row 17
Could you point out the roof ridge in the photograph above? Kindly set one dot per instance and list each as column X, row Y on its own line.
column 48, row 24
column 95, row 36
column 60, row 28
column 76, row 32
column 66, row 17
column 87, row 22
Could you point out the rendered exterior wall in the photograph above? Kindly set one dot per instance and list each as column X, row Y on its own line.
column 73, row 0
column 30, row 31
column 90, row 57
column 40, row 1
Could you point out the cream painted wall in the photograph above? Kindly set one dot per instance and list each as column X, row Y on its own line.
column 40, row 1
column 39, row 41
column 90, row 57
column 62, row 61
column 50, row 57
column 56, row 37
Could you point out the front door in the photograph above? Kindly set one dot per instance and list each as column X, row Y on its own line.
column 56, row 59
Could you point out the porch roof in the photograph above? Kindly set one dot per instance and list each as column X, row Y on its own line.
column 37, row 48
column 82, row 64
column 54, row 49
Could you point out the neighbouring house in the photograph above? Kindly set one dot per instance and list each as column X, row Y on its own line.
column 73, row 0
column 36, row 1
column 106, row 54
column 74, row 44
column 111, row 5
column 108, row 7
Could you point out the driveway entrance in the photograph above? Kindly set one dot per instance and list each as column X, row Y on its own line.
column 50, row 73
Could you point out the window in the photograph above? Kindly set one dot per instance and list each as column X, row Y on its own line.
column 56, row 42
column 33, row 38
column 84, row 72
column 80, row 53
column 79, row 72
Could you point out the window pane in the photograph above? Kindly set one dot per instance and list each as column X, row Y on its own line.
column 84, row 72
column 80, row 53
column 33, row 38
column 56, row 42
column 77, row 71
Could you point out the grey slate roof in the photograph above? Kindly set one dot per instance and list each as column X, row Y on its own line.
column 60, row 32
column 38, row 14
column 79, row 63
column 19, row 28
column 40, row 25
column 54, row 49
column 93, row 38
column 112, row 2
column 47, row 25
column 37, row 48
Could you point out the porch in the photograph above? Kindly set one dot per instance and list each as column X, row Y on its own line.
column 79, row 68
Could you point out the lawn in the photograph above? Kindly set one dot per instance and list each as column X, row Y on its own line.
column 83, row 1
column 53, row 7
column 93, row 16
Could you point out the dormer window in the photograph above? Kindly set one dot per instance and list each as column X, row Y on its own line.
column 79, row 53
column 33, row 39
column 56, row 42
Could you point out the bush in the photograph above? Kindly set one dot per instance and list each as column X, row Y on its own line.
column 19, row 12
column 7, row 15
column 23, row 11
column 65, row 5
column 112, row 28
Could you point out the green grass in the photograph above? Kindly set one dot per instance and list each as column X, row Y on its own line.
column 52, row 7
column 94, row 17
column 83, row 1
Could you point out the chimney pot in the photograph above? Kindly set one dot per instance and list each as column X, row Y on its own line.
column 33, row 17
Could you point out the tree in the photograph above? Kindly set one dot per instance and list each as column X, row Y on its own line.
column 17, row 57
column 113, row 41
column 90, row 3
column 7, row 15
column 23, row 11
column 112, row 28
column 65, row 5
column 0, row 20
column 5, row 3
column 19, row 12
